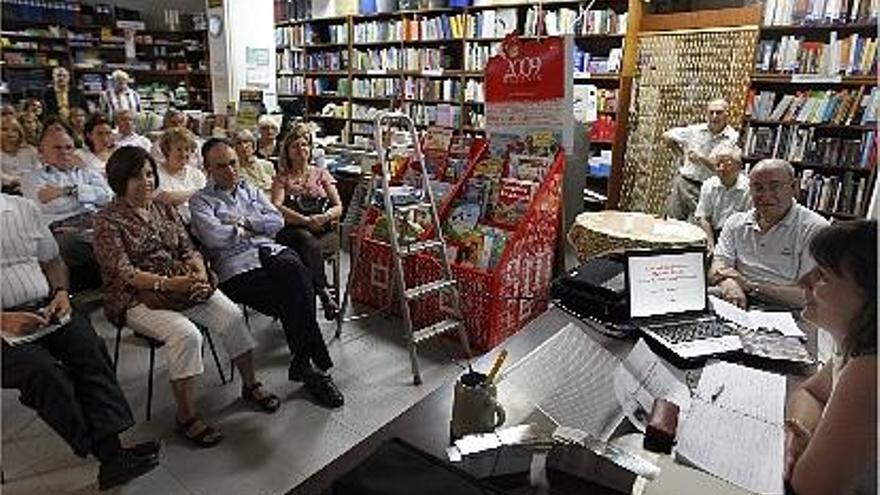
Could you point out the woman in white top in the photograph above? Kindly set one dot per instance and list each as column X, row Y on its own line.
column 99, row 144
column 18, row 157
column 831, row 430
column 178, row 180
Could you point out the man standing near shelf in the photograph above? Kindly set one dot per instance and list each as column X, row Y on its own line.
column 696, row 143
column 119, row 96
column 763, row 252
column 61, row 97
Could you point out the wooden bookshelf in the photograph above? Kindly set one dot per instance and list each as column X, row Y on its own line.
column 827, row 134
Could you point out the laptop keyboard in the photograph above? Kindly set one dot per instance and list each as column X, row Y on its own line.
column 692, row 330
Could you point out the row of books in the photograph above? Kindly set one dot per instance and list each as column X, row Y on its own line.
column 807, row 12
column 475, row 117
column 477, row 56
column 585, row 62
column 842, row 107
column 443, row 114
column 542, row 21
column 832, row 193
column 337, row 60
column 410, row 88
column 441, row 27
column 474, row 91
column 852, row 55
column 802, row 144
column 289, row 60
column 303, row 35
column 290, row 85
column 404, row 59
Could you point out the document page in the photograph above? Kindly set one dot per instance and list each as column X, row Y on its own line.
column 734, row 427
column 642, row 377
column 780, row 321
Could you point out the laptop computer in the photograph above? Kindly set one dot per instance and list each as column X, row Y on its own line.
column 669, row 303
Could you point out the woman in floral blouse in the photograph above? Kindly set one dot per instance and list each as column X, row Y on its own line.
column 156, row 283
column 307, row 198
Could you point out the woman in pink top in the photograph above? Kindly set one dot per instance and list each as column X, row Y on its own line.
column 307, row 198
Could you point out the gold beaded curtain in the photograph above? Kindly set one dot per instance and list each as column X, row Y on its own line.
column 677, row 74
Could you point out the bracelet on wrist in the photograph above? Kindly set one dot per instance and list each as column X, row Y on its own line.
column 56, row 290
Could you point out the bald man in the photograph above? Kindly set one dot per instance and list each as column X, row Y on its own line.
column 696, row 143
column 763, row 252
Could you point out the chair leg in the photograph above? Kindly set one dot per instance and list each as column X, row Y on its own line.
column 150, row 380
column 210, row 340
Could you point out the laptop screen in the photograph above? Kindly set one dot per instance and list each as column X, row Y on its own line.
column 666, row 282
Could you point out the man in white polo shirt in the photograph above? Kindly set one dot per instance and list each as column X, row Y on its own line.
column 763, row 252
column 125, row 134
column 723, row 194
column 696, row 143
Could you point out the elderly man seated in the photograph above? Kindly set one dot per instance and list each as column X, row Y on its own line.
column 763, row 252
column 68, row 196
column 236, row 224
column 52, row 356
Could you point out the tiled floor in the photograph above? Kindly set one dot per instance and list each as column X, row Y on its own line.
column 260, row 453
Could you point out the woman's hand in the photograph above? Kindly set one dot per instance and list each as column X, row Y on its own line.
column 180, row 284
column 795, row 445
column 316, row 223
column 21, row 323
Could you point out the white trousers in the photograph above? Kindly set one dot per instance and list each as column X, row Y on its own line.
column 183, row 339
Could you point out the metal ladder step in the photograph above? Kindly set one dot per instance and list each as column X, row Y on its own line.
column 419, row 205
column 438, row 328
column 418, row 247
column 422, row 290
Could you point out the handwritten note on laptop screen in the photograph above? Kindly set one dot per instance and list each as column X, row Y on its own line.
column 663, row 284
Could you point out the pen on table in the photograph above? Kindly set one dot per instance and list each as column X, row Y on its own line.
column 717, row 392
column 496, row 366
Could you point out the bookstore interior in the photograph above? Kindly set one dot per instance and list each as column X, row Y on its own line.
column 497, row 246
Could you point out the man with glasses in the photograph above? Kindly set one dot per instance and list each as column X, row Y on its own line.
column 236, row 224
column 68, row 196
column 763, row 252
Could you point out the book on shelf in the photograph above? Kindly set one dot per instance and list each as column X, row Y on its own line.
column 855, row 54
column 808, row 12
column 798, row 144
column 833, row 107
column 832, row 193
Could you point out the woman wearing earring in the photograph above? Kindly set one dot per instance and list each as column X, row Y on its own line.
column 831, row 425
column 307, row 198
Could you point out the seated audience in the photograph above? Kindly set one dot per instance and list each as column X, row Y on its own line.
column 7, row 110
column 178, row 178
column 307, row 197
column 32, row 126
column 695, row 143
column 17, row 158
column 723, row 194
column 34, row 106
column 157, row 284
column 99, row 144
column 762, row 253
column 235, row 223
column 176, row 119
column 68, row 196
column 267, row 145
column 120, row 96
column 257, row 171
column 125, row 134
column 831, row 430
column 57, row 363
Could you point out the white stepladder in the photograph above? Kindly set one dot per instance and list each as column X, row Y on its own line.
column 395, row 208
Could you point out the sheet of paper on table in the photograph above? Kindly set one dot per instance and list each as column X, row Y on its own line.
column 781, row 321
column 642, row 377
column 734, row 427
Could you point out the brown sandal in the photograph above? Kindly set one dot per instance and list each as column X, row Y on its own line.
column 208, row 436
column 267, row 402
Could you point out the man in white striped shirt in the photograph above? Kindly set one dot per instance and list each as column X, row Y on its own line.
column 53, row 357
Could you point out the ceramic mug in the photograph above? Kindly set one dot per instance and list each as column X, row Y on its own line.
column 475, row 408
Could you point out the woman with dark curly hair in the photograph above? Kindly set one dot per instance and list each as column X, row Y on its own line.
column 831, row 430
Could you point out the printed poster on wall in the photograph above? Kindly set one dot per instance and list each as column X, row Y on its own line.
column 528, row 89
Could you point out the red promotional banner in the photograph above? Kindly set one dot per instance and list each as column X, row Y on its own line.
column 527, row 70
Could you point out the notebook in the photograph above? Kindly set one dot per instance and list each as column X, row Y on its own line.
column 669, row 303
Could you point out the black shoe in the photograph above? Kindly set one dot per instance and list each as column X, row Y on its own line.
column 125, row 468
column 145, row 449
column 324, row 391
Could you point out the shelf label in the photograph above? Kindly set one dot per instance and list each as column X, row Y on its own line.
column 376, row 72
column 432, row 72
column 583, row 75
column 815, row 78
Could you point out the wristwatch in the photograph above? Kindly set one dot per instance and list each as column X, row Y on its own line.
column 71, row 190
